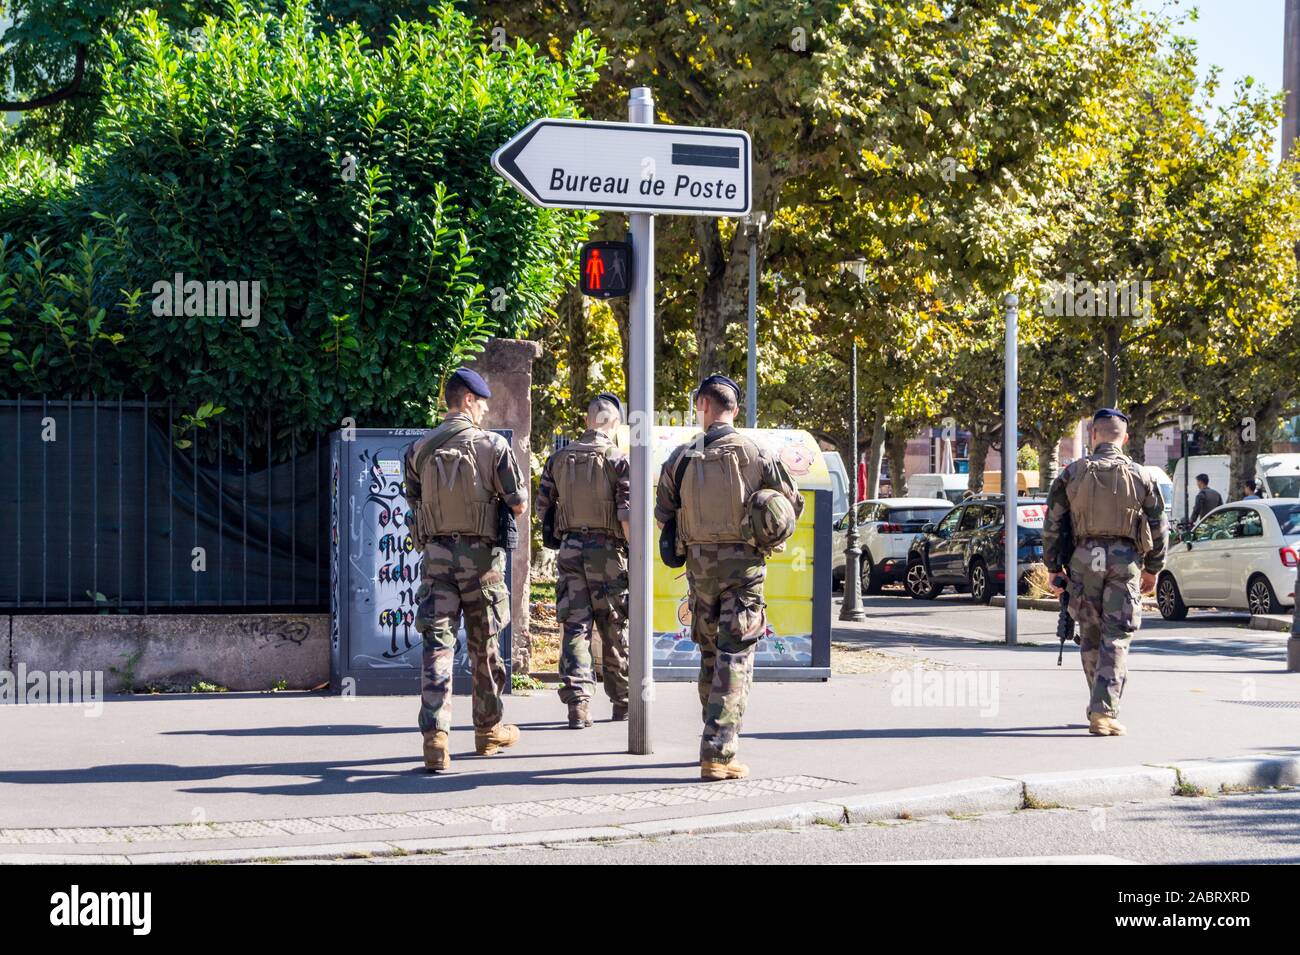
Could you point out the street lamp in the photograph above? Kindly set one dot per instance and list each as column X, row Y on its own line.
column 753, row 223
column 1185, row 422
column 851, row 610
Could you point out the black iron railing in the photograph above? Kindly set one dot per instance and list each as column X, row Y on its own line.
column 130, row 506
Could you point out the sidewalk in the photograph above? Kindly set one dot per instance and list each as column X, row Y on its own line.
column 240, row 771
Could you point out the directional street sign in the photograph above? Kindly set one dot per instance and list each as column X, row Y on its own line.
column 644, row 170
column 629, row 167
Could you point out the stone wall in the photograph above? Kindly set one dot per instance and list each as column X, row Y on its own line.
column 174, row 651
column 507, row 365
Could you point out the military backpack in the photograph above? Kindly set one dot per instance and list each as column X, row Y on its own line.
column 1106, row 501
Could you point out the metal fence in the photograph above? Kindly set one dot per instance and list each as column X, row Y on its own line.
column 110, row 509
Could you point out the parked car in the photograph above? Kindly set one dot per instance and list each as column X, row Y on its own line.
column 965, row 549
column 885, row 528
column 950, row 487
column 1240, row 556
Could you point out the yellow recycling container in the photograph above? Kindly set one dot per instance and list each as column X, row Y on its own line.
column 797, row 644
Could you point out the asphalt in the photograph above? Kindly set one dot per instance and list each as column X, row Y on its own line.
column 950, row 705
column 1261, row 828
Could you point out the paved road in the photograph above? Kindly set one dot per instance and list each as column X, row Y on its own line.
column 1256, row 828
column 1204, row 632
column 948, row 702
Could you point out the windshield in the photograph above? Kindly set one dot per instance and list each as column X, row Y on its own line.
column 839, row 495
column 915, row 515
column 1288, row 517
column 1284, row 485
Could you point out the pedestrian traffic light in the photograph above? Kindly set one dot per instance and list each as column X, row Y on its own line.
column 606, row 269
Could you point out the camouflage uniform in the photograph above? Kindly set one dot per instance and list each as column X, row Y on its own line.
column 1104, row 580
column 463, row 574
column 591, row 588
column 728, row 614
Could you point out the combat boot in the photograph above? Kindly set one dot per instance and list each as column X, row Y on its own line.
column 1099, row 724
column 437, row 751
column 710, row 769
column 620, row 713
column 579, row 715
column 490, row 741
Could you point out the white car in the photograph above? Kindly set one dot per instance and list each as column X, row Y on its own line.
column 885, row 529
column 1241, row 556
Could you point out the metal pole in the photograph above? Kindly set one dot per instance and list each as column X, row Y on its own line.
column 1010, row 427
column 751, row 372
column 641, row 369
column 1187, row 483
column 1291, row 75
column 851, row 609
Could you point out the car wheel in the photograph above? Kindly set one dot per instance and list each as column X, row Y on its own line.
column 1169, row 599
column 918, row 581
column 871, row 582
column 1260, row 597
column 981, row 582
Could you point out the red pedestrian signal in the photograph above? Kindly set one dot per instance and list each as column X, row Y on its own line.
column 605, row 269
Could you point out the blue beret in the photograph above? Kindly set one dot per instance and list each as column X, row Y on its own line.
column 473, row 381
column 1110, row 413
column 614, row 400
column 722, row 380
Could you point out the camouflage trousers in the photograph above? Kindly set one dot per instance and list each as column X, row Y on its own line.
column 1106, row 600
column 461, row 576
column 591, row 591
column 727, row 619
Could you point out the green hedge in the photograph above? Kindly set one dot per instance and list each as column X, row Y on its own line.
column 353, row 185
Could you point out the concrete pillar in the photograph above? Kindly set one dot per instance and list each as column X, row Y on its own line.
column 507, row 365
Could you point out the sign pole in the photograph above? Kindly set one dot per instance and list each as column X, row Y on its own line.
column 640, row 392
column 1010, row 487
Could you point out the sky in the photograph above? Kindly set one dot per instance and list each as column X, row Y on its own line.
column 1244, row 37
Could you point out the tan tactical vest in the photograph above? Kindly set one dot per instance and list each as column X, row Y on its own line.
column 455, row 484
column 584, row 484
column 718, row 481
column 1106, row 501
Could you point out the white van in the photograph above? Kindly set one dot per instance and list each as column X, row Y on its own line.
column 947, row 486
column 1278, row 475
column 839, row 484
column 1166, row 485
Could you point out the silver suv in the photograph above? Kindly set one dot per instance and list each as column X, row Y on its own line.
column 885, row 529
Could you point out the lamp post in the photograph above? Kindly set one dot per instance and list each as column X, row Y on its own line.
column 1185, row 422
column 851, row 610
column 754, row 223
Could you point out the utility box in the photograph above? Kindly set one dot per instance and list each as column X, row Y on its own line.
column 375, row 570
column 797, row 590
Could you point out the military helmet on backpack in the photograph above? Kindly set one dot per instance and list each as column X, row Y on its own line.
column 769, row 520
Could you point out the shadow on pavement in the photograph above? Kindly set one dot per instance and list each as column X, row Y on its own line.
column 351, row 777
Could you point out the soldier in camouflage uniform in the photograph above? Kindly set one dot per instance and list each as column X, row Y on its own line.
column 457, row 478
column 587, row 483
column 724, row 568
column 1117, row 516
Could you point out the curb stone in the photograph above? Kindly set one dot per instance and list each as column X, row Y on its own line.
column 1091, row 787
column 981, row 794
column 1274, row 621
column 967, row 796
column 1224, row 775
